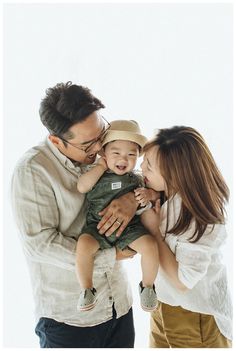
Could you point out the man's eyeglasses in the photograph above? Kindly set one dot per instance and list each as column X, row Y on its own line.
column 89, row 146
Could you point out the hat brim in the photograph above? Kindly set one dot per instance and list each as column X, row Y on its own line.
column 113, row 135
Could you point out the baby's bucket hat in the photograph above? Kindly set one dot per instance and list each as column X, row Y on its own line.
column 125, row 130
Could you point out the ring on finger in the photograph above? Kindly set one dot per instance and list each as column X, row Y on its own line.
column 118, row 222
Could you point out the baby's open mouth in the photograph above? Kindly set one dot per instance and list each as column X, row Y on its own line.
column 121, row 168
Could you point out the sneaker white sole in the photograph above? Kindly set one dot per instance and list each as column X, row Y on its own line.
column 149, row 309
column 88, row 307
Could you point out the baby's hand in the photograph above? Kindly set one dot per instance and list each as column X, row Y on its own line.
column 144, row 195
column 102, row 162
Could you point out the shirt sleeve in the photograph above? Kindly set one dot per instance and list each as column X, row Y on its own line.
column 194, row 258
column 193, row 262
column 37, row 216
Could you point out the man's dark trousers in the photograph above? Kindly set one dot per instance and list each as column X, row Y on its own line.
column 116, row 333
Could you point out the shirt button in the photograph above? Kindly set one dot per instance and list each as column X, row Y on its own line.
column 110, row 298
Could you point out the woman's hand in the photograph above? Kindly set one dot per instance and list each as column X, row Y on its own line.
column 117, row 215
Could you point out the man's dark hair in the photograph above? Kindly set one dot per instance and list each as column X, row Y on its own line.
column 65, row 105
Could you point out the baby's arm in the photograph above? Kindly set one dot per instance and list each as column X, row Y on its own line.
column 144, row 195
column 87, row 180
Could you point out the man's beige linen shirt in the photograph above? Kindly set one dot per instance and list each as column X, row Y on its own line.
column 50, row 213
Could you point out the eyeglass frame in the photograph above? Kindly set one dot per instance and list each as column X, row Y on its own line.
column 95, row 141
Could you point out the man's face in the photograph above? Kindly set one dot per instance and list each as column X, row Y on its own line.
column 84, row 133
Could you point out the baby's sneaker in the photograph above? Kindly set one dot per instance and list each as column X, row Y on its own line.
column 87, row 299
column 148, row 297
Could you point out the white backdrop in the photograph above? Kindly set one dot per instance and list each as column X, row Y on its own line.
column 162, row 64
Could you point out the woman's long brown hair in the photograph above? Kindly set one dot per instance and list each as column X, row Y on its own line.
column 189, row 169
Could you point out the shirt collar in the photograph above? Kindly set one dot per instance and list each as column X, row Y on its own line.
column 62, row 158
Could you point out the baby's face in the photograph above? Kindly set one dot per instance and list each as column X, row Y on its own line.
column 121, row 156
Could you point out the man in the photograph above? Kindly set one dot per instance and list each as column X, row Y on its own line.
column 50, row 213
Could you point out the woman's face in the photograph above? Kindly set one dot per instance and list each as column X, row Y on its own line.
column 151, row 170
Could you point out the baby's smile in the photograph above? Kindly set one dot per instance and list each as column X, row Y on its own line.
column 120, row 167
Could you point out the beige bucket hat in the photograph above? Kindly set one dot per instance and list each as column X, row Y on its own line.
column 125, row 130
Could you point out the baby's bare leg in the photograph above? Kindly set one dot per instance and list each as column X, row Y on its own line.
column 146, row 245
column 86, row 249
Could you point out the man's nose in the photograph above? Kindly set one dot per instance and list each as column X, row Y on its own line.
column 97, row 147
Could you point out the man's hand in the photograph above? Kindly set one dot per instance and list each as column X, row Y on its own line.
column 117, row 215
column 123, row 254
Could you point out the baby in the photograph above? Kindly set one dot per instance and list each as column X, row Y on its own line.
column 111, row 177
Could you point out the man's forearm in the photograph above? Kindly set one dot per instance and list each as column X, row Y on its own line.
column 51, row 247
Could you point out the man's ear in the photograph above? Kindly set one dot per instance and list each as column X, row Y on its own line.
column 54, row 139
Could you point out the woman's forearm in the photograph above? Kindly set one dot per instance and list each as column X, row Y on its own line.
column 168, row 263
